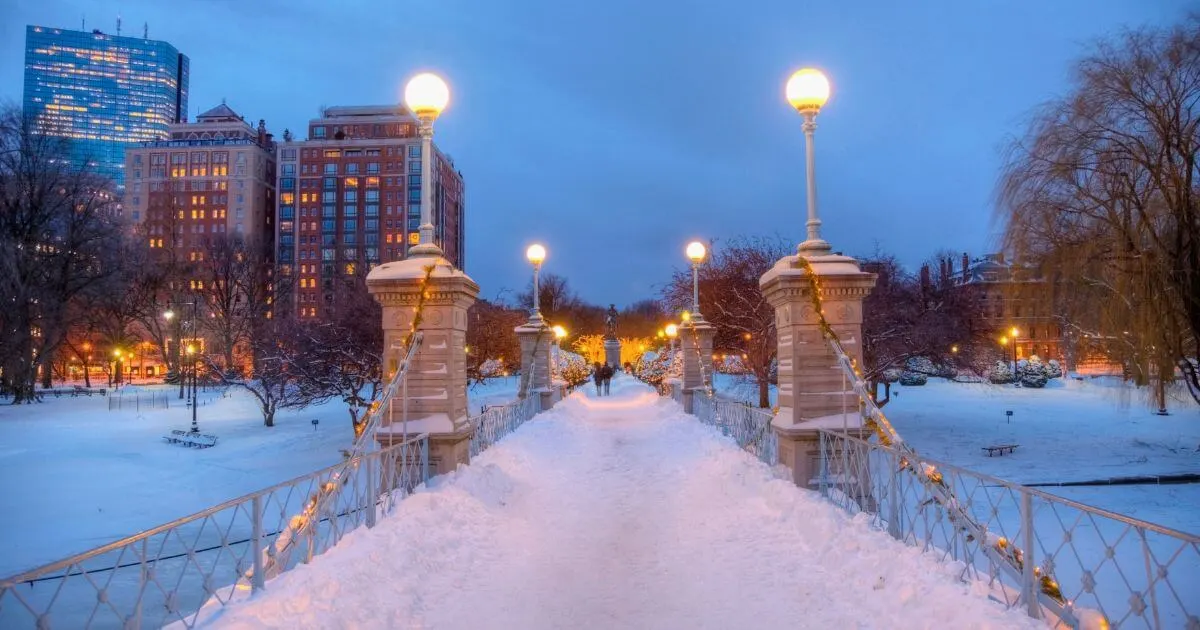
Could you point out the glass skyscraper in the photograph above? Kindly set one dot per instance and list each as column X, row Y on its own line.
column 103, row 92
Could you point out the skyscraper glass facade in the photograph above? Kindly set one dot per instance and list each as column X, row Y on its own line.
column 102, row 92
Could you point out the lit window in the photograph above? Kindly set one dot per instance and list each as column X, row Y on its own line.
column 372, row 182
column 288, row 198
column 351, row 182
column 332, row 153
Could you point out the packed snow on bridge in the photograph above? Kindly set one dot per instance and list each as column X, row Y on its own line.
column 619, row 512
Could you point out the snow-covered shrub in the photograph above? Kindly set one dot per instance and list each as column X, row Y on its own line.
column 1033, row 378
column 1000, row 373
column 913, row 379
column 1053, row 369
column 572, row 368
column 891, row 375
column 491, row 368
column 730, row 364
column 921, row 365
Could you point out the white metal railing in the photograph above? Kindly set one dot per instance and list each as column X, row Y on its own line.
column 495, row 423
column 166, row 574
column 1058, row 559
column 749, row 427
column 172, row 573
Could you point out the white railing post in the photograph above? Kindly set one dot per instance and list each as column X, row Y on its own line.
column 256, row 543
column 372, row 495
column 1029, row 586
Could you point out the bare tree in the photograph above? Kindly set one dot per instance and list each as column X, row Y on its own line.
column 731, row 300
column 234, row 287
column 279, row 347
column 491, row 335
column 58, row 223
column 925, row 316
column 1102, row 195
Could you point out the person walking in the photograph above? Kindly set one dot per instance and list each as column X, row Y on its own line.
column 598, row 377
column 608, row 374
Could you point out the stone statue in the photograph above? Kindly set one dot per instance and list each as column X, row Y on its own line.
column 610, row 322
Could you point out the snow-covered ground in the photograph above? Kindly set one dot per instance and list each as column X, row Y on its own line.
column 79, row 476
column 619, row 512
column 1071, row 430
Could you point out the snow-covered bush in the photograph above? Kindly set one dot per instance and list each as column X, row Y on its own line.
column 1053, row 369
column 921, row 365
column 491, row 368
column 1000, row 373
column 913, row 379
column 891, row 375
column 1033, row 378
column 572, row 368
column 730, row 364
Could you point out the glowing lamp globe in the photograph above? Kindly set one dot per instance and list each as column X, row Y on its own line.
column 426, row 94
column 807, row 90
column 536, row 254
column 672, row 330
column 560, row 332
column 696, row 252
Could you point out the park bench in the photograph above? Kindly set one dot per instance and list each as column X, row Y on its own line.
column 187, row 438
column 1000, row 449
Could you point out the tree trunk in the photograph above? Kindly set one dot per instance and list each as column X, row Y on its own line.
column 764, row 393
column 47, row 376
column 268, row 416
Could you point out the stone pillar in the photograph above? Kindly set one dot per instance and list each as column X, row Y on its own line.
column 612, row 352
column 534, row 336
column 812, row 391
column 697, row 338
column 437, row 379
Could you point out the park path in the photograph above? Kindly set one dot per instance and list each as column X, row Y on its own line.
column 619, row 512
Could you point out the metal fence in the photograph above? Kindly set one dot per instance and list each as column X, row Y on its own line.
column 496, row 422
column 167, row 574
column 1056, row 558
column 185, row 570
column 748, row 426
column 138, row 401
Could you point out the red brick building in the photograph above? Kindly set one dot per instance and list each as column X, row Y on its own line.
column 350, row 198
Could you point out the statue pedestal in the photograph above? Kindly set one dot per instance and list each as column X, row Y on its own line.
column 612, row 352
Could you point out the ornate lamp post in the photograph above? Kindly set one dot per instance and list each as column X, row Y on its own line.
column 169, row 315
column 672, row 331
column 808, row 90
column 426, row 95
column 696, row 253
column 536, row 254
column 191, row 351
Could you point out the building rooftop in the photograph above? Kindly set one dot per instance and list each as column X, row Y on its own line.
column 220, row 113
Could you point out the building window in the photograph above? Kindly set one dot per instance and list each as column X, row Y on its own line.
column 318, row 132
column 414, row 151
column 414, row 180
column 332, row 153
column 372, row 195
column 289, row 169
column 331, row 168
column 372, row 210
column 329, row 182
column 372, row 167
column 329, row 196
column 289, row 154
column 351, row 196
column 414, row 166
column 351, row 182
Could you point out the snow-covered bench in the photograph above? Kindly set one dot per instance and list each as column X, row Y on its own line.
column 1000, row 449
column 187, row 438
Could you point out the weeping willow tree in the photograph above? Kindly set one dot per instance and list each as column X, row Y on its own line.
column 1101, row 197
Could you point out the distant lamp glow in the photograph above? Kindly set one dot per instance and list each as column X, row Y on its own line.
column 807, row 90
column 696, row 252
column 560, row 333
column 117, row 353
column 1004, row 341
column 191, row 349
column 169, row 314
column 536, row 254
column 426, row 94
column 672, row 330
column 1014, row 332
column 954, row 349
column 686, row 316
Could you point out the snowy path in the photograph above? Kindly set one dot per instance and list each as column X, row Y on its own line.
column 619, row 512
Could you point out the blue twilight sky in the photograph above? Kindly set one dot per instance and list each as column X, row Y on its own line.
column 616, row 131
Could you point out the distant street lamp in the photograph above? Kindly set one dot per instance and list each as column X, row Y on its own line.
column 426, row 95
column 696, row 253
column 536, row 254
column 807, row 90
column 191, row 351
column 672, row 331
column 1014, row 333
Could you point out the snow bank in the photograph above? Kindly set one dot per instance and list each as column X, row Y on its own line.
column 619, row 512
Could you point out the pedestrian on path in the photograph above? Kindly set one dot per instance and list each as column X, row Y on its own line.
column 608, row 374
column 598, row 377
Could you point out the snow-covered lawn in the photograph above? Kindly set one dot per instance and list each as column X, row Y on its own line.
column 79, row 476
column 620, row 512
column 1071, row 430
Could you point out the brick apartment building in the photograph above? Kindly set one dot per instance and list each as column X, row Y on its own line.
column 350, row 198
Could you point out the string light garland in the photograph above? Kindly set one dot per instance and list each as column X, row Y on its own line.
column 933, row 479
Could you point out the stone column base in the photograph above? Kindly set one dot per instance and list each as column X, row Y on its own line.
column 548, row 397
column 446, row 450
column 800, row 451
